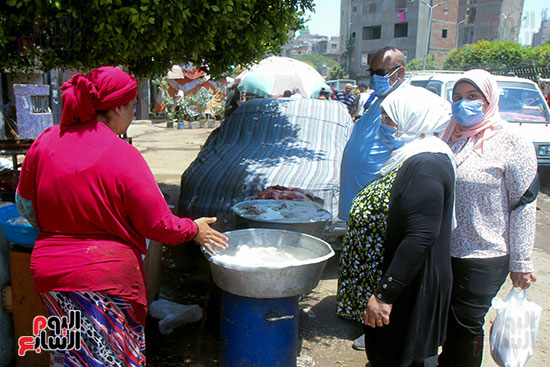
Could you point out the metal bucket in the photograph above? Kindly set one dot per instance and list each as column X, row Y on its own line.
column 259, row 308
column 314, row 226
column 270, row 281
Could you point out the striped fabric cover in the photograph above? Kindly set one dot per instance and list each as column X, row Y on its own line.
column 289, row 142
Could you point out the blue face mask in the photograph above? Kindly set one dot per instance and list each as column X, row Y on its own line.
column 468, row 113
column 387, row 135
column 381, row 84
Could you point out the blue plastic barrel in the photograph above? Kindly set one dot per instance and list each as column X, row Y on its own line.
column 258, row 332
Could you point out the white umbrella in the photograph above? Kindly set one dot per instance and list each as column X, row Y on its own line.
column 275, row 74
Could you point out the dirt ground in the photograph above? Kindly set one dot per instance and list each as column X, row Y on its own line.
column 324, row 340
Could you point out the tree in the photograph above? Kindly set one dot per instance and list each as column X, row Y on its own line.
column 488, row 55
column 347, row 50
column 540, row 55
column 317, row 61
column 146, row 36
column 337, row 72
column 416, row 64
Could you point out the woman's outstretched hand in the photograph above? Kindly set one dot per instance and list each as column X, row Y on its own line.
column 208, row 237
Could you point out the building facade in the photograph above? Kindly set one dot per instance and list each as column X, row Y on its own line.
column 491, row 20
column 302, row 44
column 329, row 47
column 543, row 35
column 369, row 25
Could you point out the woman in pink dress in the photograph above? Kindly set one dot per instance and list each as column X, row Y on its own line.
column 95, row 201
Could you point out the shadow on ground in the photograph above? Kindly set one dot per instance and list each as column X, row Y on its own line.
column 186, row 279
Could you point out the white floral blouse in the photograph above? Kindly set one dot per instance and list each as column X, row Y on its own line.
column 488, row 184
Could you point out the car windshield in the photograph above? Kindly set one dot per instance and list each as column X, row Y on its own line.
column 519, row 102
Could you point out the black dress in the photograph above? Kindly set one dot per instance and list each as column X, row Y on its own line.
column 417, row 263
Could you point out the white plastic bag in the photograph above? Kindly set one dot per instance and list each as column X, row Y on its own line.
column 514, row 331
column 172, row 315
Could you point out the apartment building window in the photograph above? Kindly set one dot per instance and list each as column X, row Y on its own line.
column 364, row 59
column 353, row 35
column 334, row 46
column 443, row 33
column 400, row 30
column 372, row 8
column 372, row 33
column 472, row 15
column 399, row 4
column 354, row 9
column 469, row 35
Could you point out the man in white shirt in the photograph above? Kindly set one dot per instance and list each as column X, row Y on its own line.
column 360, row 99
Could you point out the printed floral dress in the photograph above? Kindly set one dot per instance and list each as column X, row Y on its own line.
column 362, row 250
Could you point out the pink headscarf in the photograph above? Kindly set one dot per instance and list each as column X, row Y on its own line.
column 101, row 89
column 491, row 124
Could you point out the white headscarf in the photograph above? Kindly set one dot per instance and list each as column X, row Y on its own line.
column 419, row 114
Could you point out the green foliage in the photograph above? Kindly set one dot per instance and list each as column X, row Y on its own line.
column 190, row 107
column 197, row 102
column 169, row 103
column 348, row 48
column 317, row 61
column 489, row 55
column 416, row 64
column 337, row 72
column 185, row 109
column 540, row 54
column 145, row 36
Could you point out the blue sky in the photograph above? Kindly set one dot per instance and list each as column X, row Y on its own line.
column 326, row 19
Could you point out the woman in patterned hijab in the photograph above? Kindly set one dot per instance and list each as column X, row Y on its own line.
column 496, row 188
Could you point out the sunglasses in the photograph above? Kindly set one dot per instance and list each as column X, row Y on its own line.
column 382, row 72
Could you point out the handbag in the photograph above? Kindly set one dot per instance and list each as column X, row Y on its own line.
column 514, row 331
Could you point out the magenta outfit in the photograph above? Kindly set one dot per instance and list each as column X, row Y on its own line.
column 95, row 201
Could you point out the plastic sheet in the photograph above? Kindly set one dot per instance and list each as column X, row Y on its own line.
column 173, row 315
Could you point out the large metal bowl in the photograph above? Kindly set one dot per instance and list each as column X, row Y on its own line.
column 270, row 281
column 314, row 226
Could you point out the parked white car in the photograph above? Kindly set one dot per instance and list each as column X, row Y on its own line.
column 339, row 84
column 521, row 103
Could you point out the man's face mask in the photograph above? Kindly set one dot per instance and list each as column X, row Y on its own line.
column 381, row 83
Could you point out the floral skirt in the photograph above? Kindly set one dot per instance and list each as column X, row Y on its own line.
column 110, row 333
column 360, row 267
